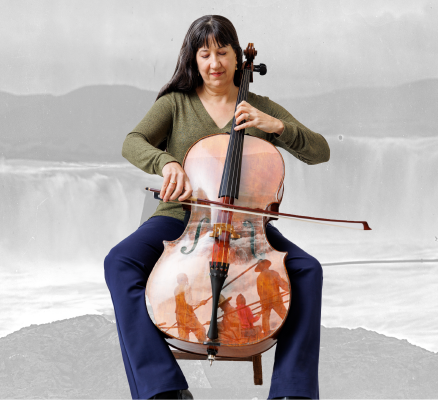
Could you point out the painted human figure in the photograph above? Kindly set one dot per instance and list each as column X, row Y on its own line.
column 247, row 319
column 230, row 328
column 185, row 316
column 269, row 283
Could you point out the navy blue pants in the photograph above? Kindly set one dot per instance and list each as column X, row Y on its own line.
column 150, row 366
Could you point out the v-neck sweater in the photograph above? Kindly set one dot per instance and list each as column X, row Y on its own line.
column 181, row 119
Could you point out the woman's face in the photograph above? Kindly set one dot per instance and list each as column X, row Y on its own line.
column 217, row 65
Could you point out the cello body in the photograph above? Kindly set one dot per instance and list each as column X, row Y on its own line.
column 179, row 288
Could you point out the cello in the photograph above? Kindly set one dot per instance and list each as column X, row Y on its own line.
column 223, row 253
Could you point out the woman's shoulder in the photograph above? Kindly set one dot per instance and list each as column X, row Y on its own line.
column 178, row 96
column 171, row 102
column 268, row 106
column 256, row 97
column 262, row 103
column 177, row 99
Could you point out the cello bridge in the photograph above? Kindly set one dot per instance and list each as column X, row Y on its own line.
column 219, row 228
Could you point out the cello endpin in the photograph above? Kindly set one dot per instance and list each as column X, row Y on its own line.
column 211, row 359
column 211, row 351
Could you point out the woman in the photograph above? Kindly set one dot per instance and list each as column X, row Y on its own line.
column 200, row 100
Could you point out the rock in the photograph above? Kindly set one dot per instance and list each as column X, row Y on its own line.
column 80, row 358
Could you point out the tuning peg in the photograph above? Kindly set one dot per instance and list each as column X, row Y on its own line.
column 260, row 68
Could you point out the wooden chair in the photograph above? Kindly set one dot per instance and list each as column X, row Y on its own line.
column 148, row 209
column 256, row 362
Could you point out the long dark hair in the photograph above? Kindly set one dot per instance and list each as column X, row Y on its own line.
column 205, row 29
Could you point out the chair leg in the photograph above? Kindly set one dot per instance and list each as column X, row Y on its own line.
column 257, row 367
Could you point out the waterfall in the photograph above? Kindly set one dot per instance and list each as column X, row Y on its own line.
column 59, row 220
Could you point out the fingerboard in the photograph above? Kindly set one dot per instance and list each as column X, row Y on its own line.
column 233, row 162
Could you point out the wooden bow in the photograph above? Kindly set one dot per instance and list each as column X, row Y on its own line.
column 265, row 213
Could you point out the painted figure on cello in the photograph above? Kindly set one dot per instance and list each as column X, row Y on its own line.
column 269, row 283
column 247, row 319
column 185, row 316
column 230, row 328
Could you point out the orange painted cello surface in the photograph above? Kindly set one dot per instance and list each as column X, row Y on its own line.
column 256, row 293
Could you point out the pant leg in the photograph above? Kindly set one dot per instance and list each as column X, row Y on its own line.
column 297, row 355
column 150, row 365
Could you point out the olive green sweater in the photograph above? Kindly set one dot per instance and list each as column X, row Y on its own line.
column 181, row 119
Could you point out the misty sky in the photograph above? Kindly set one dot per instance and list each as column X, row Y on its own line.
column 309, row 46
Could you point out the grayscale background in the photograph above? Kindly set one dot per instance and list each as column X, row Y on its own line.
column 77, row 76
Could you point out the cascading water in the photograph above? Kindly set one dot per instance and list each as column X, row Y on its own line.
column 59, row 220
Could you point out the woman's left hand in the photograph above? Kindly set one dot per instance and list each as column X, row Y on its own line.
column 256, row 119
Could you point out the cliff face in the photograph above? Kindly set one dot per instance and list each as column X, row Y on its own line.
column 80, row 358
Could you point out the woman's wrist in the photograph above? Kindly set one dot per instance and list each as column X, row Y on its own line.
column 167, row 165
column 279, row 127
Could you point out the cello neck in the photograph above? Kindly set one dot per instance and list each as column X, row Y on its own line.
column 242, row 96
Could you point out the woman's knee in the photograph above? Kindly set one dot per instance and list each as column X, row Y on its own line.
column 307, row 265
column 114, row 264
column 129, row 261
column 315, row 268
column 109, row 263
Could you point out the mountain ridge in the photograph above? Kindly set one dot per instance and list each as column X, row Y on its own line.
column 424, row 81
column 90, row 123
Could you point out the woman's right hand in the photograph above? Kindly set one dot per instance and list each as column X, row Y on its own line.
column 176, row 183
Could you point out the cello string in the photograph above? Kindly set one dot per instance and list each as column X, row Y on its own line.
column 231, row 149
column 237, row 143
column 240, row 136
column 230, row 160
column 233, row 137
column 233, row 174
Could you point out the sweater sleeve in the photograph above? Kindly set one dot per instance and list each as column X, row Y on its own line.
column 309, row 147
column 140, row 146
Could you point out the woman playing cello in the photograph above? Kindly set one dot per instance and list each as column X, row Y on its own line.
column 200, row 100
